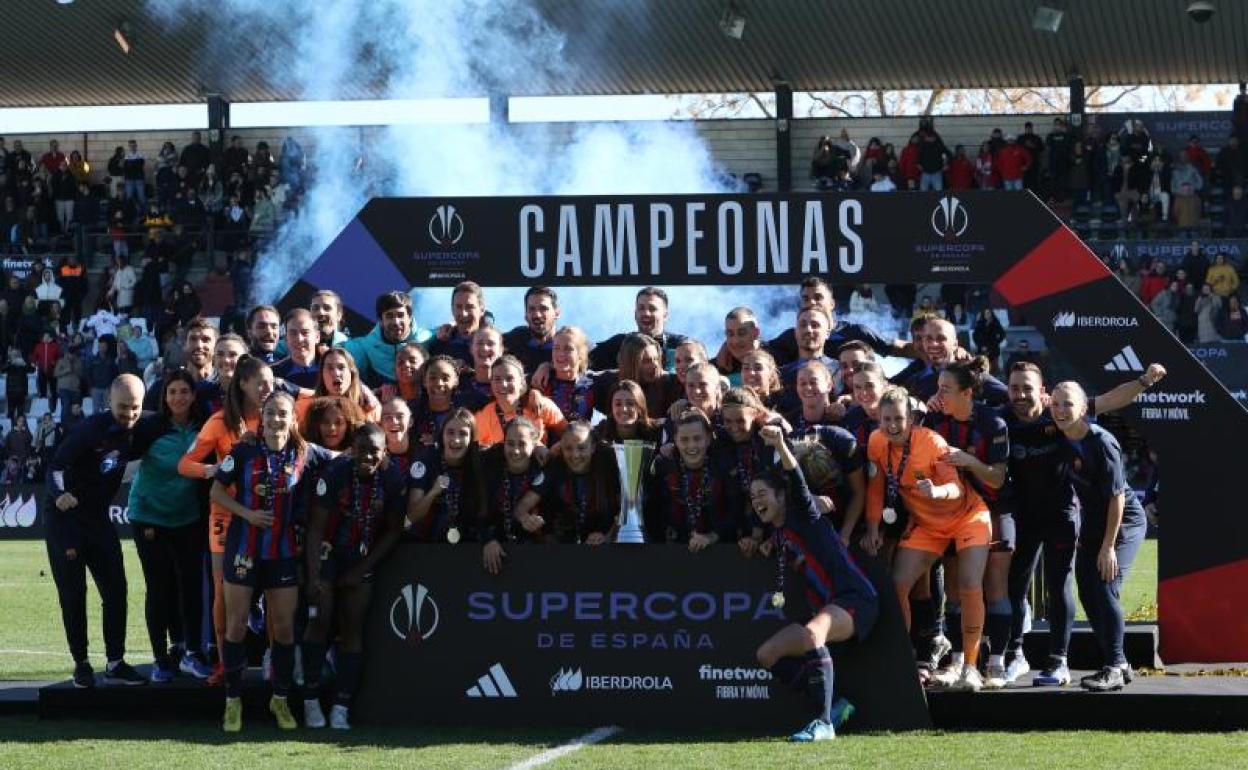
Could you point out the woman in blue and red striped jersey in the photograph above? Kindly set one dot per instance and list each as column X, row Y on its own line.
column 260, row 548
column 844, row 601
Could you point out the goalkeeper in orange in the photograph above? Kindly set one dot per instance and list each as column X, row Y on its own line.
column 906, row 467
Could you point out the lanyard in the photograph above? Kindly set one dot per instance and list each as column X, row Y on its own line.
column 893, row 480
column 362, row 512
column 693, row 502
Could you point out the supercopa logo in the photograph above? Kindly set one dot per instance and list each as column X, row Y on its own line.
column 414, row 614
column 950, row 218
column 446, row 226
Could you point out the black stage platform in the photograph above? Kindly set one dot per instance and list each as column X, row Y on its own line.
column 1159, row 702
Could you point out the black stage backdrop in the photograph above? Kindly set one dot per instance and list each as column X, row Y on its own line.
column 622, row 635
column 1008, row 240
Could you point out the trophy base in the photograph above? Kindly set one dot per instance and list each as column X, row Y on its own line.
column 630, row 537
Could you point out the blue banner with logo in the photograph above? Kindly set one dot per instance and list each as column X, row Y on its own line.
column 1141, row 253
column 1228, row 361
column 1172, row 129
column 647, row 635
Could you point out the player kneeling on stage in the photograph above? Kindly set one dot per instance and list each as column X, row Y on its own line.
column 844, row 601
column 356, row 519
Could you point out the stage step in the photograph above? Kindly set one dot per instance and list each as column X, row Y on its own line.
column 1140, row 645
column 1166, row 702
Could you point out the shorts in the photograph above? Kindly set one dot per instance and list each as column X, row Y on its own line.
column 337, row 565
column 864, row 610
column 974, row 530
column 218, row 528
column 262, row 574
column 1003, row 533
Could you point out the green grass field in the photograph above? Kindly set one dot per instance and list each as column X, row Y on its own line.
column 32, row 642
column 27, row 742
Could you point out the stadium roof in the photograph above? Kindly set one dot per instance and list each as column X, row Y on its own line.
column 66, row 54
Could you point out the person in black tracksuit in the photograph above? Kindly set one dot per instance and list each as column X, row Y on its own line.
column 83, row 478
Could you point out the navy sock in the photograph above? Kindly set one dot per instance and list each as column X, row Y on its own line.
column 997, row 625
column 789, row 671
column 349, row 664
column 283, row 668
column 234, row 658
column 313, row 665
column 820, row 682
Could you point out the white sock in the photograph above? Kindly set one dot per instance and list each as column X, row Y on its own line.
column 996, row 660
column 958, row 659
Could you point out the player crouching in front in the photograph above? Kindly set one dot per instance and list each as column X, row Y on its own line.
column 356, row 520
column 844, row 601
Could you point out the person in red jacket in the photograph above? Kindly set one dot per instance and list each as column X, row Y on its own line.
column 908, row 163
column 961, row 172
column 44, row 356
column 1198, row 156
column 1154, row 282
column 1013, row 160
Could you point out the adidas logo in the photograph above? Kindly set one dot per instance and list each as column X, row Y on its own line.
column 494, row 684
column 1125, row 361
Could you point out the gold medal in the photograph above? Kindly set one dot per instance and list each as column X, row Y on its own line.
column 777, row 600
column 890, row 516
column 452, row 535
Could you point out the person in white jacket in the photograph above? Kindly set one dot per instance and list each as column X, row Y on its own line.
column 863, row 301
column 124, row 281
column 47, row 292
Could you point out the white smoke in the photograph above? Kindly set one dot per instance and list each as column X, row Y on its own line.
column 410, row 49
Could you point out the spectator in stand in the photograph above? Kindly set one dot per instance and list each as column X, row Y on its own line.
column 262, row 163
column 143, row 345
column 127, row 361
column 195, row 156
column 1222, row 277
column 134, row 174
column 1208, row 309
column 986, row 176
column 116, row 166
column 826, row 163
column 1137, row 143
column 1236, row 222
column 16, row 383
column 212, row 192
column 101, row 370
column 1232, row 162
column 1013, row 160
column 1154, row 281
column 908, row 164
column 233, row 224
column 881, row 181
column 186, row 303
column 1159, row 181
column 1058, row 145
column 46, row 354
column 1198, row 156
column 19, row 445
column 48, row 293
column 72, row 277
column 68, row 375
column 117, row 232
column 961, row 173
column 1187, row 206
column 53, row 158
column 1195, row 264
column 1185, row 322
column 240, row 277
column 293, row 163
column 1232, row 321
column 156, row 220
column 1130, row 180
column 1185, row 173
column 30, row 326
column 236, row 159
column 1111, row 161
column 263, row 214
column 1165, row 305
column 933, row 159
column 64, row 188
column 47, row 438
column 122, row 289
column 1079, row 177
column 1127, row 276
column 216, row 292
column 1030, row 141
column 1023, row 353
column 988, row 336
column 86, row 219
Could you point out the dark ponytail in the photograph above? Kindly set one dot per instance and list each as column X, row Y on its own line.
column 969, row 374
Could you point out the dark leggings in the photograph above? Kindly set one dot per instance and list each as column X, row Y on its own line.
column 1100, row 598
column 1056, row 540
column 97, row 549
column 172, row 559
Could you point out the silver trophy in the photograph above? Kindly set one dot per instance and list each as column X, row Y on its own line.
column 632, row 458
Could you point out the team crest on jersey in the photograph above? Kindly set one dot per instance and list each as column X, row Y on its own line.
column 110, row 462
column 1018, row 451
column 322, row 488
column 418, row 470
column 539, row 478
column 227, row 464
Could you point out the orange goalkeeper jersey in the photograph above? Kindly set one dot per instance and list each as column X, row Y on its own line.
column 926, row 461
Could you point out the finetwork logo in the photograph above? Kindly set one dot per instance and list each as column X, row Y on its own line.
column 738, row 683
column 19, row 512
column 950, row 218
column 493, row 684
column 1169, row 406
column 414, row 614
column 1125, row 361
column 446, row 226
column 1069, row 319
